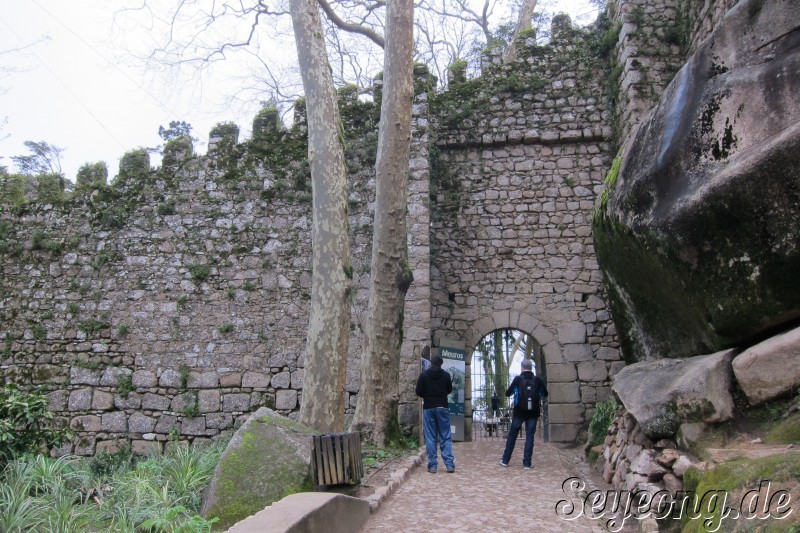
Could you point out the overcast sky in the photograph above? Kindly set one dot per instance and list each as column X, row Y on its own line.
column 76, row 88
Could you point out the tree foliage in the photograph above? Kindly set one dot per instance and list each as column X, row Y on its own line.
column 45, row 158
column 176, row 129
column 26, row 423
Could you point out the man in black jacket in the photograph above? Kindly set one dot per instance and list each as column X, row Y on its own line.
column 528, row 415
column 433, row 386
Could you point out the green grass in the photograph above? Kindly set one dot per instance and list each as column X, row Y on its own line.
column 786, row 431
column 115, row 492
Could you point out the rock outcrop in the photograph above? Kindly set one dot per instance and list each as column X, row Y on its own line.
column 698, row 238
column 769, row 369
column 663, row 394
column 267, row 458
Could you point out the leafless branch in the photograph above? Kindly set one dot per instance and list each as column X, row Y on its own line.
column 351, row 28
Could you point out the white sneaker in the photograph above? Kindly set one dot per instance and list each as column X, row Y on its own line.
column 502, row 463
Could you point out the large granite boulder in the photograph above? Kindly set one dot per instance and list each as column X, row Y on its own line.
column 769, row 369
column 268, row 458
column 665, row 393
column 698, row 238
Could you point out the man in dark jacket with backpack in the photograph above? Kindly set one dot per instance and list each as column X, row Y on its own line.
column 527, row 389
column 433, row 386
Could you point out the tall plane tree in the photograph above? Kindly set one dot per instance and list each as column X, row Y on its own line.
column 329, row 321
column 391, row 277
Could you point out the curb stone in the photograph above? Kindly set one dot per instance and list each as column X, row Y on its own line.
column 396, row 478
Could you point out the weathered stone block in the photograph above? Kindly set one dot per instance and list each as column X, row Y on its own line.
column 203, row 380
column 102, row 401
column 281, row 380
column 84, row 376
column 193, row 426
column 566, row 413
column 57, row 400
column 297, row 379
column 166, row 423
column 155, row 402
column 131, row 401
column 144, row 379
column 563, row 432
column 286, row 399
column 255, row 379
column 268, row 446
column 564, row 392
column 592, row 371
column 89, row 423
column 208, row 401
column 572, row 333
column 235, row 402
column 146, row 447
column 608, row 354
column 183, row 401
column 577, row 352
column 139, row 423
column 80, row 400
column 112, row 375
column 116, row 422
column 282, row 359
column 109, row 446
column 230, row 379
column 565, row 372
column 171, row 379
column 219, row 420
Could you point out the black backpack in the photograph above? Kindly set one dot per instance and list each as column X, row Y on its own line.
column 528, row 398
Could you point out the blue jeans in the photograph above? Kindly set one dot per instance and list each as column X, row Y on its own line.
column 437, row 425
column 530, row 430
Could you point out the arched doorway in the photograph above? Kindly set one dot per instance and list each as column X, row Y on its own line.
column 494, row 363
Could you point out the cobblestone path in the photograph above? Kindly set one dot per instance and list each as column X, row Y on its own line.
column 482, row 496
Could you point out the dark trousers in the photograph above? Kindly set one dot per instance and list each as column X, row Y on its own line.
column 530, row 430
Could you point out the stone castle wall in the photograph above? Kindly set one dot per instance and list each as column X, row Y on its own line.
column 518, row 169
column 654, row 41
column 177, row 306
column 176, row 302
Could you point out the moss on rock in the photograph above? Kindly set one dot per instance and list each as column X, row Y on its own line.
column 739, row 482
column 267, row 459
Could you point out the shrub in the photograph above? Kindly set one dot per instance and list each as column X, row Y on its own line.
column 50, row 188
column 199, row 272
column 92, row 176
column 166, row 208
column 26, row 423
column 601, row 420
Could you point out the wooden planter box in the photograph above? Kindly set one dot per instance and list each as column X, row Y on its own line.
column 336, row 459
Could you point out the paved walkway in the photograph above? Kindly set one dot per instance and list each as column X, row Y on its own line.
column 482, row 496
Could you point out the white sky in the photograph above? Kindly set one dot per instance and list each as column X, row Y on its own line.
column 77, row 91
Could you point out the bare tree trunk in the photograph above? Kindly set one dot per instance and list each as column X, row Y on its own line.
column 329, row 321
column 524, row 22
column 528, row 347
column 500, row 368
column 391, row 276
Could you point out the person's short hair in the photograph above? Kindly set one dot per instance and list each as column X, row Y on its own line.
column 526, row 364
column 437, row 361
